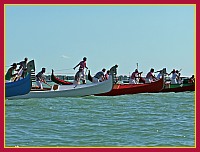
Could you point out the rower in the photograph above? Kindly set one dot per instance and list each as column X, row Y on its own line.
column 134, row 79
column 10, row 73
column 150, row 76
column 99, row 77
column 41, row 78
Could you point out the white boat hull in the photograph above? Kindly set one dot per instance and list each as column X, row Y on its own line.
column 70, row 90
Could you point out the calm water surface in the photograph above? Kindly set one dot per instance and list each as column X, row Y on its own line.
column 160, row 119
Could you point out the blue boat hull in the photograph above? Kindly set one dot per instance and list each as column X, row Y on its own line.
column 19, row 87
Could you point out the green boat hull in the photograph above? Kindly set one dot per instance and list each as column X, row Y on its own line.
column 179, row 87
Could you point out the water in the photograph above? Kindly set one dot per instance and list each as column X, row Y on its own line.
column 159, row 119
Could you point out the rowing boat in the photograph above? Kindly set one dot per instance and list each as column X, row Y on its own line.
column 69, row 90
column 59, row 81
column 179, row 87
column 20, row 87
column 122, row 89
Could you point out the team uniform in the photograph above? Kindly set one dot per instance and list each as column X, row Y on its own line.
column 149, row 77
column 134, row 78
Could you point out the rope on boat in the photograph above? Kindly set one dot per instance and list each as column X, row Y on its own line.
column 63, row 69
column 60, row 73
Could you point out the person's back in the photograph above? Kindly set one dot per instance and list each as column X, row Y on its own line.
column 23, row 65
column 40, row 78
column 192, row 79
column 99, row 76
column 134, row 77
column 10, row 73
column 159, row 76
column 150, row 77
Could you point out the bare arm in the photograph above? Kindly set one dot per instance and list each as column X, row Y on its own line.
column 76, row 66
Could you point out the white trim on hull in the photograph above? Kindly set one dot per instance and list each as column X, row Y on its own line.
column 71, row 90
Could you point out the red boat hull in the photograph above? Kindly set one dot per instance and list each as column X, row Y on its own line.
column 59, row 81
column 122, row 89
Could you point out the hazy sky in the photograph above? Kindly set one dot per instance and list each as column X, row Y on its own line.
column 58, row 37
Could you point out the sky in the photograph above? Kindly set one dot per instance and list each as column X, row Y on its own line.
column 58, row 37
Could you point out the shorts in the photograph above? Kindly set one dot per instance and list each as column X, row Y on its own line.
column 39, row 84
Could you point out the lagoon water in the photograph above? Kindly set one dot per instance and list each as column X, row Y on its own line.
column 157, row 119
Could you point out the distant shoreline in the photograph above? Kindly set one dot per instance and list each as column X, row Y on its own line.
column 71, row 78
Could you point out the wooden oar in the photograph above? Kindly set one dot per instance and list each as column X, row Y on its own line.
column 18, row 75
column 157, row 71
column 46, row 83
